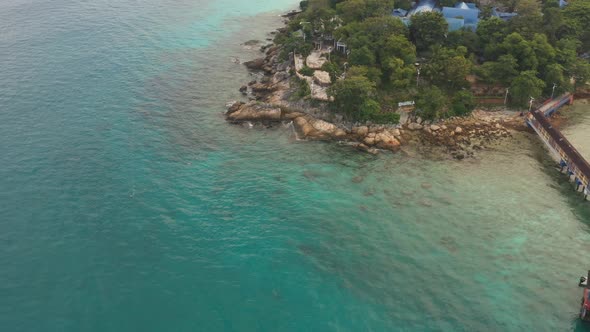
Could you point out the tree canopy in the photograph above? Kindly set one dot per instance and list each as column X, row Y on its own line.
column 528, row 54
column 428, row 29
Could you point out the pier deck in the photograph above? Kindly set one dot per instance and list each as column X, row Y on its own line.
column 570, row 160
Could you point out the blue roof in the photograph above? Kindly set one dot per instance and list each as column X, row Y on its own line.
column 463, row 15
column 455, row 23
column 468, row 14
column 398, row 12
column 503, row 15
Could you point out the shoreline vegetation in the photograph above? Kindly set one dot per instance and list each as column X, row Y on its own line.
column 359, row 76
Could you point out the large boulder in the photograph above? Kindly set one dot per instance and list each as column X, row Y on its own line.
column 310, row 127
column 254, row 111
column 255, row 64
column 302, row 126
column 315, row 60
column 324, row 126
column 322, row 77
column 369, row 140
column 280, row 76
column 386, row 140
column 233, row 107
column 262, row 88
column 414, row 126
column 361, row 131
column 273, row 50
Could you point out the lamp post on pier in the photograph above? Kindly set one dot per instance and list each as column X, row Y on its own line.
column 417, row 64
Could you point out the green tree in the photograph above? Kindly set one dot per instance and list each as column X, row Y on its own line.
column 430, row 102
column 524, row 86
column 373, row 33
column 428, row 29
column 332, row 69
column 369, row 110
column 502, row 71
column 371, row 73
column 505, row 69
column 463, row 103
column 577, row 16
column 491, row 33
column 401, row 75
column 463, row 37
column 528, row 7
column 515, row 45
column 581, row 72
column 566, row 54
column 379, row 7
column 448, row 68
column 357, row 10
column 526, row 26
column 491, row 30
column 544, row 52
column 400, row 47
column 292, row 44
column 352, row 10
column 351, row 94
column 550, row 4
column 554, row 24
column 554, row 74
column 362, row 56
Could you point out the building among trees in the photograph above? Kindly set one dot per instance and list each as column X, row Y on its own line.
column 462, row 15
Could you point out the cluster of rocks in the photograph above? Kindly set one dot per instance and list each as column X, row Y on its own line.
column 306, row 125
column 269, row 105
column 371, row 138
column 368, row 138
column 461, row 137
column 275, row 79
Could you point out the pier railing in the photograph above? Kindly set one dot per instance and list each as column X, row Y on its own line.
column 570, row 160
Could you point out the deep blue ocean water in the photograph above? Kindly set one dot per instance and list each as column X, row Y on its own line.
column 128, row 204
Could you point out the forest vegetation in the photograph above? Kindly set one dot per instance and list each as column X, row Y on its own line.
column 389, row 62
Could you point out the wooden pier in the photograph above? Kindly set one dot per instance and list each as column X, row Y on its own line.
column 570, row 160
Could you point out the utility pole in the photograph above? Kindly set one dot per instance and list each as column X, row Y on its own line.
column 506, row 96
column 531, row 103
column 553, row 91
column 417, row 64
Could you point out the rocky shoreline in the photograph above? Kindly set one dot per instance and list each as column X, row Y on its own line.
column 273, row 100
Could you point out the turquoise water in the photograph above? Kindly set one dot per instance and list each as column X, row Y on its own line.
column 128, row 204
column 577, row 128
